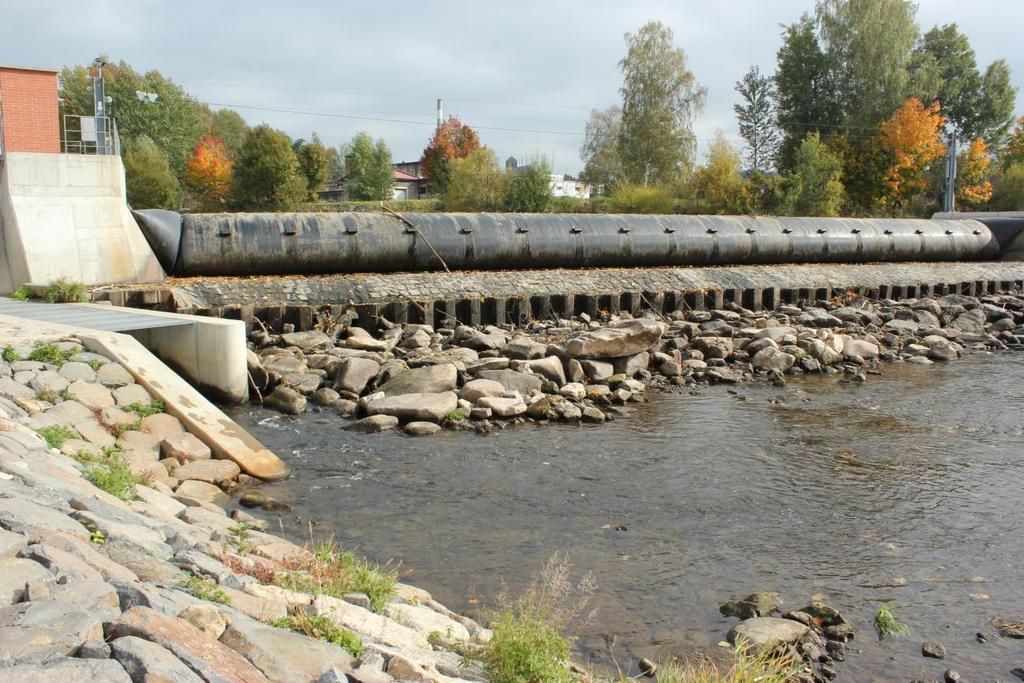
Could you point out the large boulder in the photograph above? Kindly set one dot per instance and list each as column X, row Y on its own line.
column 524, row 348
column 476, row 389
column 514, row 381
column 285, row 400
column 762, row 632
column 713, row 347
column 617, row 339
column 772, row 359
column 355, row 373
column 306, row 340
column 429, row 407
column 428, row 379
column 550, row 367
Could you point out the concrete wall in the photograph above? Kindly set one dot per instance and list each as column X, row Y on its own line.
column 65, row 215
column 28, row 108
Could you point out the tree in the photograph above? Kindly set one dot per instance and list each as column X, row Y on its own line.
column 805, row 97
column 869, row 46
column 528, row 188
column 913, row 136
column 266, row 173
column 1009, row 192
column 452, row 140
column 371, row 175
column 814, row 188
column 207, row 174
column 174, row 121
column 660, row 97
column 944, row 68
column 973, row 187
column 757, row 119
column 148, row 177
column 1013, row 152
column 314, row 165
column 229, row 126
column 719, row 182
column 475, row 182
column 600, row 149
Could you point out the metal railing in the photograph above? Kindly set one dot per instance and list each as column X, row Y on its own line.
column 90, row 135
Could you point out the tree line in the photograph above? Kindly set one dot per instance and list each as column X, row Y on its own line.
column 853, row 121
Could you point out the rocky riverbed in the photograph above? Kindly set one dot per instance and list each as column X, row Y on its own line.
column 581, row 370
column 120, row 563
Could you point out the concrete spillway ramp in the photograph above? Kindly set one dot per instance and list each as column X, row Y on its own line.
column 313, row 243
column 65, row 215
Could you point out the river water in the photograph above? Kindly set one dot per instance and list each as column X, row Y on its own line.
column 909, row 488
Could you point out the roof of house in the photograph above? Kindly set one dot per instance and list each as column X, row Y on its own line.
column 15, row 67
column 402, row 175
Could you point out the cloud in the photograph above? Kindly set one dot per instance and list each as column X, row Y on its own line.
column 525, row 73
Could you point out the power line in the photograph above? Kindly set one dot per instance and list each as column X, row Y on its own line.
column 391, row 95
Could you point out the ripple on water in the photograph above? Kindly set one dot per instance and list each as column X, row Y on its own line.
column 904, row 488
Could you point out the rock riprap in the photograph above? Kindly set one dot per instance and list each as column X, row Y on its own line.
column 155, row 581
column 584, row 370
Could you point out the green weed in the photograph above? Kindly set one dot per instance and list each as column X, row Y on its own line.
column 204, row 589
column 10, row 355
column 95, row 364
column 154, row 407
column 56, row 435
column 23, row 293
column 886, row 623
column 455, row 416
column 750, row 665
column 48, row 395
column 320, row 626
column 51, row 354
column 112, row 474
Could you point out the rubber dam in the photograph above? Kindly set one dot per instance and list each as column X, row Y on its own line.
column 509, row 268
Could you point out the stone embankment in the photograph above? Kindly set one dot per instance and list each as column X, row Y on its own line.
column 119, row 563
column 581, row 370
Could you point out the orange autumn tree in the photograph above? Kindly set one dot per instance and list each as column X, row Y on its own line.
column 452, row 140
column 973, row 187
column 913, row 138
column 207, row 175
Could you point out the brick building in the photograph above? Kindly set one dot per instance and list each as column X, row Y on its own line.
column 29, row 118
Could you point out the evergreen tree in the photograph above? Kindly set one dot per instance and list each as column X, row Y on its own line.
column 757, row 121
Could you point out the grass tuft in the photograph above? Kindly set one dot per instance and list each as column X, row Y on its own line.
column 336, row 572
column 749, row 665
column 65, row 291
column 320, row 626
column 204, row 589
column 886, row 623
column 10, row 355
column 154, row 407
column 56, row 435
column 95, row 364
column 455, row 416
column 528, row 644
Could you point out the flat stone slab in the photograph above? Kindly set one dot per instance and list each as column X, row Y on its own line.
column 766, row 631
column 147, row 661
column 69, row 669
column 415, row 407
column 281, row 654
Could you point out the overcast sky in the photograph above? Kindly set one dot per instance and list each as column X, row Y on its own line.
column 525, row 74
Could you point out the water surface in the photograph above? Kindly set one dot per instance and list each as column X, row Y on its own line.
column 907, row 488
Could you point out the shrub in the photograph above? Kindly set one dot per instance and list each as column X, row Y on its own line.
column 56, row 435
column 400, row 205
column 320, row 626
column 630, row 198
column 10, row 355
column 528, row 644
column 65, row 291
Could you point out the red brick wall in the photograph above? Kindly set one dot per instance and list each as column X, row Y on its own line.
column 28, row 105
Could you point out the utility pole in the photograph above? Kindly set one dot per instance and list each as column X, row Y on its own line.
column 99, row 105
column 440, row 114
column 949, row 181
